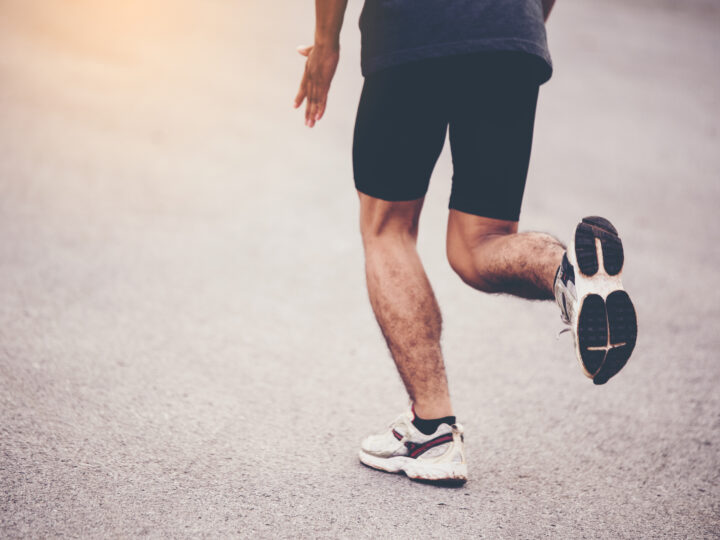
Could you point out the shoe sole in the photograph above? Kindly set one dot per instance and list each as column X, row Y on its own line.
column 590, row 231
column 446, row 474
column 606, row 324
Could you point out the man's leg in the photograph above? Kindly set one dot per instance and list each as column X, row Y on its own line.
column 491, row 256
column 491, row 130
column 404, row 302
column 399, row 134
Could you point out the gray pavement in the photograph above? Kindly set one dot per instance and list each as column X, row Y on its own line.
column 186, row 348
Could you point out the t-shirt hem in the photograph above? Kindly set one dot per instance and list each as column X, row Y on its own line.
column 395, row 58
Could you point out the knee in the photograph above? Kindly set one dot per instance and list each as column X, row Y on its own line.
column 472, row 249
column 387, row 240
column 471, row 265
column 374, row 235
column 388, row 223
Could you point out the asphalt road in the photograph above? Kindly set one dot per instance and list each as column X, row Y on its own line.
column 186, row 348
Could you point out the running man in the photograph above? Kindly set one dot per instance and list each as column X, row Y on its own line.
column 473, row 66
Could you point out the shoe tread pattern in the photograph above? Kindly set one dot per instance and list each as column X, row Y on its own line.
column 592, row 333
column 587, row 231
column 622, row 323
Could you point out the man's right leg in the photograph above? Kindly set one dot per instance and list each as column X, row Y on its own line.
column 403, row 301
column 409, row 317
column 399, row 134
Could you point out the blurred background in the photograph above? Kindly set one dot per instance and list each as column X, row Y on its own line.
column 186, row 347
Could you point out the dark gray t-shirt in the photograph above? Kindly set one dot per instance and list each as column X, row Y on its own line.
column 399, row 31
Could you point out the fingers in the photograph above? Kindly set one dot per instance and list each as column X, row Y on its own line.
column 308, row 92
column 321, row 109
column 302, row 92
column 317, row 99
column 312, row 105
column 315, row 85
column 317, row 111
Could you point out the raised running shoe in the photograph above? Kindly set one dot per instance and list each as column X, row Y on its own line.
column 439, row 457
column 592, row 300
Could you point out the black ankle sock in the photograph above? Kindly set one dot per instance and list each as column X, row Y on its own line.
column 428, row 427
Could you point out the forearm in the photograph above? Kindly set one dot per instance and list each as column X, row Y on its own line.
column 547, row 7
column 329, row 16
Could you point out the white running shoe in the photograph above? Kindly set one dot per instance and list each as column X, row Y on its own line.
column 593, row 302
column 439, row 457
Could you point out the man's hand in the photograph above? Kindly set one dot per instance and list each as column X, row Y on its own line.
column 319, row 71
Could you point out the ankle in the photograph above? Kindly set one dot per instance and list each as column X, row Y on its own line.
column 430, row 410
column 428, row 426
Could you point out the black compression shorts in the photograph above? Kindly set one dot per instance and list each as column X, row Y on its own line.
column 487, row 99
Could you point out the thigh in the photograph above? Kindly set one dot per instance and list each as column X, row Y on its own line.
column 399, row 132
column 491, row 129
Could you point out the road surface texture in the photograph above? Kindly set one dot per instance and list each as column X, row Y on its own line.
column 186, row 345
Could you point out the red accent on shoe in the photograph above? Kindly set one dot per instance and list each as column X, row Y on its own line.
column 419, row 449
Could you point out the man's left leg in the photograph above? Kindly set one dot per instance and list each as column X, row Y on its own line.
column 491, row 256
column 491, row 128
